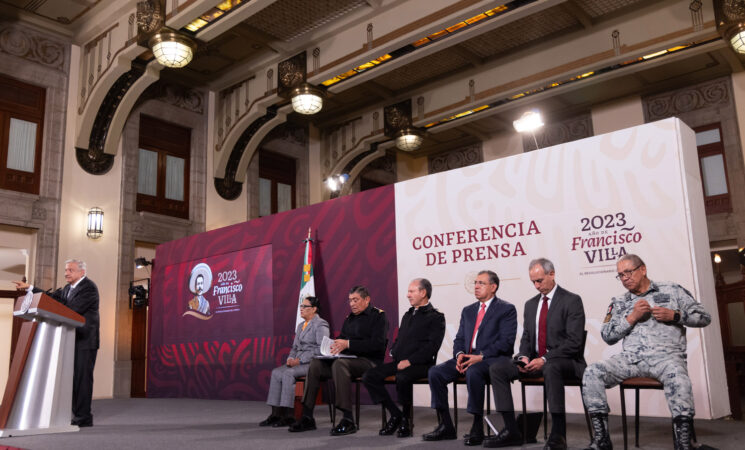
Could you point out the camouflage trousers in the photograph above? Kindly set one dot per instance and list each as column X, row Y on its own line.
column 671, row 371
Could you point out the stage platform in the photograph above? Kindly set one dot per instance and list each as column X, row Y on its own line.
column 182, row 424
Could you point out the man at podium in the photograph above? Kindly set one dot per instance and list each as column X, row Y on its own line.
column 81, row 295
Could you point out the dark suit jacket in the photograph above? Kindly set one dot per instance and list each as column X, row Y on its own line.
column 419, row 336
column 496, row 333
column 565, row 327
column 84, row 301
column 367, row 334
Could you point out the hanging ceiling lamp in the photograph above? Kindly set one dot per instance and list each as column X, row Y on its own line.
column 409, row 139
column 730, row 19
column 307, row 99
column 171, row 48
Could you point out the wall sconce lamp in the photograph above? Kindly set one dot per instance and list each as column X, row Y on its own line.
column 95, row 223
column 719, row 277
column 528, row 123
column 398, row 125
column 335, row 182
column 730, row 19
column 291, row 83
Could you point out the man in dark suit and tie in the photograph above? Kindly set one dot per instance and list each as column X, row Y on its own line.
column 81, row 295
column 554, row 323
column 486, row 335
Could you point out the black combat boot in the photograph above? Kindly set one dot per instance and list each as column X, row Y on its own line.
column 682, row 430
column 600, row 433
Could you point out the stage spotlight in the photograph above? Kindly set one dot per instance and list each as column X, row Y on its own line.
column 528, row 122
column 142, row 262
column 335, row 182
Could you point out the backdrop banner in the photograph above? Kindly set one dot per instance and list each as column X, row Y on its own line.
column 249, row 280
column 223, row 302
column 581, row 205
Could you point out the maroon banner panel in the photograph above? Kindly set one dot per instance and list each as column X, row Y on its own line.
column 223, row 303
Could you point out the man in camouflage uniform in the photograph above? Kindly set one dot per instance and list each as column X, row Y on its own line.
column 651, row 319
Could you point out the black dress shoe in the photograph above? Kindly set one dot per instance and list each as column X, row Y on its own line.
column 304, row 424
column 440, row 433
column 505, row 438
column 82, row 422
column 474, row 439
column 345, row 427
column 269, row 421
column 391, row 426
column 283, row 422
column 555, row 442
column 404, row 429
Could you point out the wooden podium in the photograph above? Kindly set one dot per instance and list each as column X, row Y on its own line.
column 38, row 395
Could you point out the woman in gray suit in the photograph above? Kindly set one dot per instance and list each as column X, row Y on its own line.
column 306, row 345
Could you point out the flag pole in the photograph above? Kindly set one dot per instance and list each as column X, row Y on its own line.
column 307, row 283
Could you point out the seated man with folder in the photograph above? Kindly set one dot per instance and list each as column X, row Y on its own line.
column 363, row 335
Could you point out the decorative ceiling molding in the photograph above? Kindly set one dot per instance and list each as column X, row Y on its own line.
column 290, row 74
column 675, row 103
column 555, row 133
column 180, row 96
column 227, row 186
column 25, row 43
column 93, row 159
column 455, row 159
column 396, row 117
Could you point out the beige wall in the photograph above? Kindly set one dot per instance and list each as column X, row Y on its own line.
column 17, row 245
column 408, row 167
column 220, row 212
column 738, row 88
column 80, row 192
column 315, row 183
column 502, row 145
column 617, row 115
column 6, row 326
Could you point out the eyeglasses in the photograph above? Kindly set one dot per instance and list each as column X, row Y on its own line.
column 626, row 273
column 306, row 306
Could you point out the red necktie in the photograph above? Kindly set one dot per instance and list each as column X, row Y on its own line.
column 542, row 327
column 479, row 318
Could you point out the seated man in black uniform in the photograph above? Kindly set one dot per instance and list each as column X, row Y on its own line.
column 414, row 352
column 363, row 334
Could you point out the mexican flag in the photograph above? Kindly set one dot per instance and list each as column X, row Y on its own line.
column 307, row 286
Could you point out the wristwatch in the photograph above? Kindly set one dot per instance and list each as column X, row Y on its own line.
column 676, row 316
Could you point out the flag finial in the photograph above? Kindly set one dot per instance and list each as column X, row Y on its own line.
column 308, row 232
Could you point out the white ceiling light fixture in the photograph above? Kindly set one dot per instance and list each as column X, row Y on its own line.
column 729, row 16
column 307, row 99
column 171, row 48
column 737, row 41
column 409, row 139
